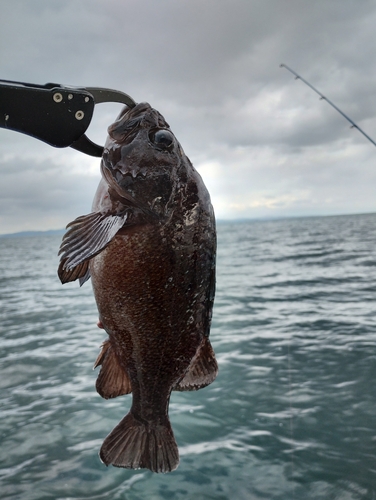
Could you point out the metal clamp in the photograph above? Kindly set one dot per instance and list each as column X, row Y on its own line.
column 56, row 114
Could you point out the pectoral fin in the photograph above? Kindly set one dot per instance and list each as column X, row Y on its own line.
column 202, row 370
column 80, row 272
column 86, row 237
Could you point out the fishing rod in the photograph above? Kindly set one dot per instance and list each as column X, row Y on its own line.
column 353, row 124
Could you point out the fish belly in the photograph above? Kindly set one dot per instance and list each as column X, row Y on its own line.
column 144, row 285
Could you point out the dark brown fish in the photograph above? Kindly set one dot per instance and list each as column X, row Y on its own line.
column 149, row 246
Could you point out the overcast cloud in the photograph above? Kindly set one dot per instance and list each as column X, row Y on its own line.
column 263, row 142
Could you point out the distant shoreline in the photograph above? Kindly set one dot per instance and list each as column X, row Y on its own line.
column 52, row 232
column 23, row 234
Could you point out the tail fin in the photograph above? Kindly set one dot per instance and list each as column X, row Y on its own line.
column 136, row 445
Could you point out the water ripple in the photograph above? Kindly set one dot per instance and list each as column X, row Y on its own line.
column 291, row 414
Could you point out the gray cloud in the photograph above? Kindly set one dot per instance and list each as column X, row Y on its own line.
column 264, row 143
column 35, row 192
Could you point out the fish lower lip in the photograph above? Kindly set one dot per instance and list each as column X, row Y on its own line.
column 126, row 181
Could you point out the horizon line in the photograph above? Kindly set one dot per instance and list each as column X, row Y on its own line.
column 33, row 232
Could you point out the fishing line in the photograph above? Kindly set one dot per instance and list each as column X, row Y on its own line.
column 353, row 124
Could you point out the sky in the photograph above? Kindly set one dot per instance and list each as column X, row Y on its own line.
column 264, row 143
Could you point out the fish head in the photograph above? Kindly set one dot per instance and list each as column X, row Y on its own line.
column 142, row 158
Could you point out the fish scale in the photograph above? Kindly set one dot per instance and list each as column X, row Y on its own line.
column 153, row 276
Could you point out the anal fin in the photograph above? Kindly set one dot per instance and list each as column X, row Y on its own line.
column 112, row 380
column 202, row 370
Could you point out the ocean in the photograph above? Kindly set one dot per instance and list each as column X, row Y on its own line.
column 291, row 415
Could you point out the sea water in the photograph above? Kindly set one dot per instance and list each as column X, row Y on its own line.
column 291, row 415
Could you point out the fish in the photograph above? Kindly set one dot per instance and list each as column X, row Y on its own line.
column 149, row 247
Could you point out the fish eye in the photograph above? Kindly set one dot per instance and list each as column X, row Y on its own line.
column 162, row 138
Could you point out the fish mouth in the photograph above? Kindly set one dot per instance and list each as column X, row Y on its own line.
column 117, row 189
column 123, row 193
column 123, row 172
